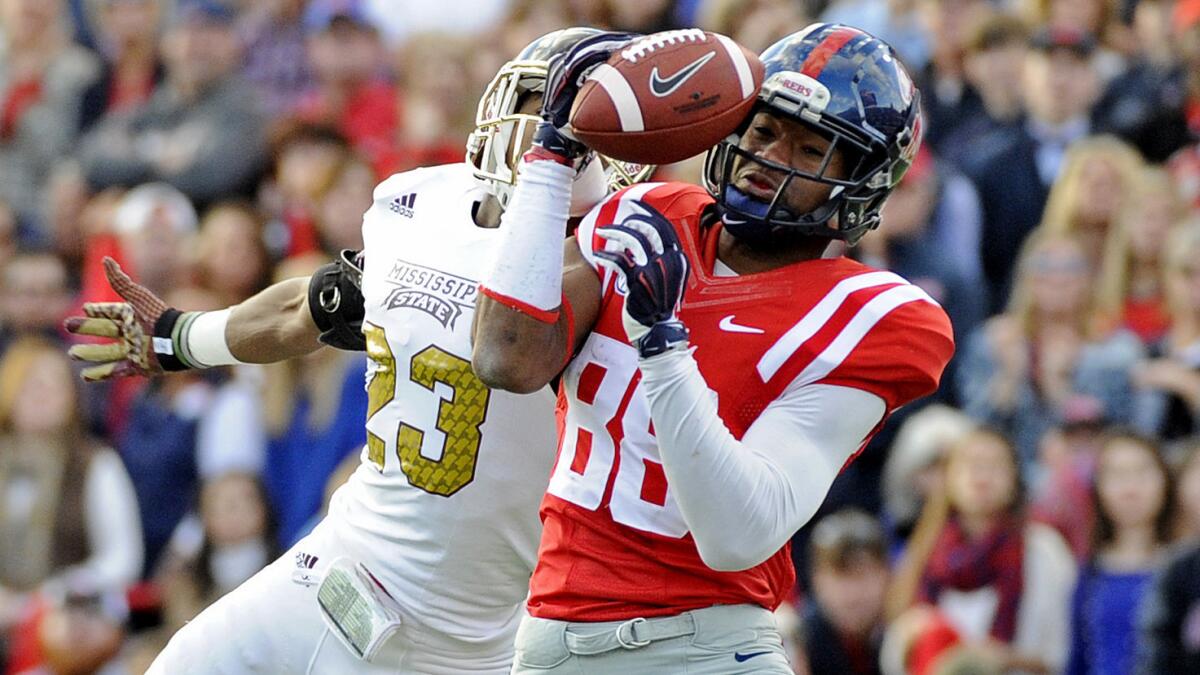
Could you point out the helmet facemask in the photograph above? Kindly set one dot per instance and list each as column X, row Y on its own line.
column 492, row 150
column 854, row 200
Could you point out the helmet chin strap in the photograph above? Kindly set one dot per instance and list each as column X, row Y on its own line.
column 749, row 221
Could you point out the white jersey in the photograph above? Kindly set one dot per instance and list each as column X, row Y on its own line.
column 445, row 501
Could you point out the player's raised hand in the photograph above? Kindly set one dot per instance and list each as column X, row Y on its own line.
column 133, row 325
column 566, row 75
column 648, row 255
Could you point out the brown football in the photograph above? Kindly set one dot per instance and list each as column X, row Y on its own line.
column 667, row 96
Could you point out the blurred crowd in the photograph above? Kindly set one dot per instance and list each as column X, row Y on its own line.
column 1040, row 514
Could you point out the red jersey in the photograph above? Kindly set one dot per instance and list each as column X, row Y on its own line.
column 614, row 544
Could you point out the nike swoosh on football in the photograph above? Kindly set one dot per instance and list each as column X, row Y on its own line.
column 728, row 325
column 661, row 87
column 740, row 657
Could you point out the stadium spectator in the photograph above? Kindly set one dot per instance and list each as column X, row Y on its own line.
column 129, row 31
column 67, row 509
column 913, row 467
column 306, row 161
column 1061, row 497
column 339, row 212
column 1131, row 292
column 999, row 579
column 995, row 52
column 315, row 407
column 35, row 298
column 42, row 77
column 1145, row 103
column 235, row 539
column 946, row 98
column 1176, row 374
column 158, row 442
column 350, row 93
column 276, row 53
column 433, row 116
column 201, row 130
column 1018, row 370
column 1134, row 505
column 842, row 623
column 1013, row 168
column 755, row 24
column 229, row 255
column 1098, row 176
column 72, row 629
column 1168, row 638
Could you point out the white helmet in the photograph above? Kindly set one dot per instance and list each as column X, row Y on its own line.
column 491, row 149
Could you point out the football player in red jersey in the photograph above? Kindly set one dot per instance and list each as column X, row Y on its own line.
column 720, row 371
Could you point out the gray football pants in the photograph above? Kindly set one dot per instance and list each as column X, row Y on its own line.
column 719, row 640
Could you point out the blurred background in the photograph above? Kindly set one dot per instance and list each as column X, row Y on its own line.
column 1040, row 514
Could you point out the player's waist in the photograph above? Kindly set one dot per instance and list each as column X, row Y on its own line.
column 475, row 598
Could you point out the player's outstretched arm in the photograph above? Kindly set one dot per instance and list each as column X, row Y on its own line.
column 537, row 301
column 278, row 323
column 519, row 350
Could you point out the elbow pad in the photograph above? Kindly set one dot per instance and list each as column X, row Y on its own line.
column 336, row 302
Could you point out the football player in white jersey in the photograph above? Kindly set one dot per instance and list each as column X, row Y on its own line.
column 423, row 562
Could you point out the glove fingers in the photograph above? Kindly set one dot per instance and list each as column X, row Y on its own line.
column 113, row 351
column 632, row 241
column 642, row 226
column 617, row 263
column 117, row 311
column 79, row 325
column 107, row 371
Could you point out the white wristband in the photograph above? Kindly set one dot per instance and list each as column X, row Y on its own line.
column 205, row 340
column 527, row 269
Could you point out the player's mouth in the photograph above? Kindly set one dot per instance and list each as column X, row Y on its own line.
column 758, row 185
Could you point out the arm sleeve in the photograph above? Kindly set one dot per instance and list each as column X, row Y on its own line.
column 743, row 500
column 114, row 528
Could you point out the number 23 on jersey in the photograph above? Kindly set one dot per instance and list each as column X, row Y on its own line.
column 459, row 415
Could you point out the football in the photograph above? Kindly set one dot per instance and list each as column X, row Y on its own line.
column 667, row 96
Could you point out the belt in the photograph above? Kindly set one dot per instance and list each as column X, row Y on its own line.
column 631, row 634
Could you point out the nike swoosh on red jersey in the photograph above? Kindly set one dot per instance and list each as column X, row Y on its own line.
column 729, row 326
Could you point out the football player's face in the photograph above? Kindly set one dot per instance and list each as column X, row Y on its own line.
column 790, row 143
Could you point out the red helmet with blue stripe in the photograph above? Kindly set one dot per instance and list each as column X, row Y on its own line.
column 850, row 87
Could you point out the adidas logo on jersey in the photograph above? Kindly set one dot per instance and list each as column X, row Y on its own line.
column 306, row 561
column 404, row 204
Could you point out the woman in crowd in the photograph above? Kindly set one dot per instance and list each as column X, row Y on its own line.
column 1176, row 375
column 1130, row 284
column 237, row 540
column 67, row 508
column 1020, row 368
column 1096, row 178
column 999, row 579
column 1133, row 495
column 230, row 257
column 913, row 467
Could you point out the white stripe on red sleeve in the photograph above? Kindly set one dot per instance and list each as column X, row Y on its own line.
column 857, row 328
column 791, row 341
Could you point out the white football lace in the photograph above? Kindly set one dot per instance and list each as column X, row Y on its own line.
column 668, row 37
